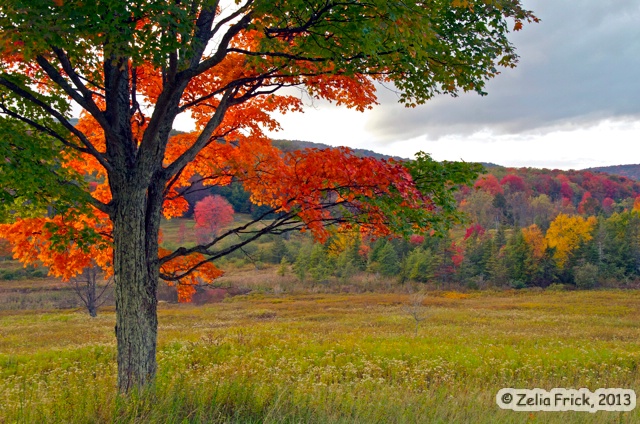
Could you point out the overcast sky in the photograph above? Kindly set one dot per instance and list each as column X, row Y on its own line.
column 573, row 101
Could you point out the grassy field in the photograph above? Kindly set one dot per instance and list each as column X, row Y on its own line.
column 329, row 358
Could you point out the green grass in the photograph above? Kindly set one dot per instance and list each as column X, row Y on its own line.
column 329, row 358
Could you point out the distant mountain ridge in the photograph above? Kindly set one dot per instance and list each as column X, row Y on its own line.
column 629, row 171
column 292, row 145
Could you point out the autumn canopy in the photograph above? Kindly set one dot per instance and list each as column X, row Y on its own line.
column 93, row 192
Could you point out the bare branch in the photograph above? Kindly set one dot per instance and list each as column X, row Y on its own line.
column 204, row 248
column 75, row 78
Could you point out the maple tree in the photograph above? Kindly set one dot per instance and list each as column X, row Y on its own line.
column 211, row 214
column 513, row 182
column 134, row 67
column 489, row 183
column 588, row 205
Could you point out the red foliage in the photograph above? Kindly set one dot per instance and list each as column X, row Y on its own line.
column 475, row 229
column 544, row 184
column 457, row 255
column 588, row 205
column 607, row 204
column 514, row 182
column 186, row 286
column 489, row 183
column 566, row 191
column 416, row 239
column 364, row 250
column 211, row 214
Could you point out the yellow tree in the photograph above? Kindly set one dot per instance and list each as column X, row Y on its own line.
column 567, row 233
column 534, row 237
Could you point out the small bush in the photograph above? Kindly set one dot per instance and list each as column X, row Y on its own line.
column 36, row 273
column 7, row 275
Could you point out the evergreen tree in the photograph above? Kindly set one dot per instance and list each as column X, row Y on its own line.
column 278, row 251
column 319, row 267
column 419, row 265
column 284, row 267
column 501, row 237
column 388, row 261
column 354, row 255
column 517, row 257
column 301, row 264
column 345, row 266
column 496, row 266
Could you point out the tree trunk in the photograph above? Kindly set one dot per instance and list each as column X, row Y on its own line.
column 136, row 277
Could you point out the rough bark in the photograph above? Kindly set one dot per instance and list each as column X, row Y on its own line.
column 136, row 278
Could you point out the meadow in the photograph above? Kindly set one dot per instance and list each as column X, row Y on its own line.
column 329, row 358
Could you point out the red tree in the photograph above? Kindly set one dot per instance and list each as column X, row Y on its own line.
column 566, row 191
column 588, row 205
column 514, row 182
column 607, row 205
column 489, row 183
column 211, row 214
column 416, row 239
column 475, row 229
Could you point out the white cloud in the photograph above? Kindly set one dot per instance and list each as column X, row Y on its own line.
column 571, row 103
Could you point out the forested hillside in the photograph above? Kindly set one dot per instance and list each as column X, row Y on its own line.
column 525, row 196
column 630, row 171
column 512, row 196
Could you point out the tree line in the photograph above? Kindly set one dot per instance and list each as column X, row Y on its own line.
column 525, row 227
column 584, row 252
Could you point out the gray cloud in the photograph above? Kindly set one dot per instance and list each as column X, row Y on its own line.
column 579, row 66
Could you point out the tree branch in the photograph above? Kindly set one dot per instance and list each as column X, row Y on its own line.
column 203, row 139
column 83, row 100
column 222, row 50
column 42, row 129
column 60, row 117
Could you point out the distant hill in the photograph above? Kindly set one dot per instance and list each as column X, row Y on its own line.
column 489, row 165
column 292, row 145
column 629, row 171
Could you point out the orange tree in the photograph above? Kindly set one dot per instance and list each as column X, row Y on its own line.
column 95, row 190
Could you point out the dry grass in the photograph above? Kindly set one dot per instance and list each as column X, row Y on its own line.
column 329, row 358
